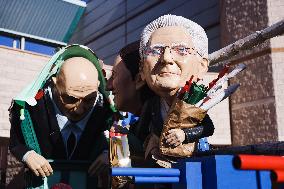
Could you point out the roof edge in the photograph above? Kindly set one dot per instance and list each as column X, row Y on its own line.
column 76, row 2
column 20, row 34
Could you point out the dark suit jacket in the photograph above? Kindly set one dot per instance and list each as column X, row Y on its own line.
column 151, row 121
column 90, row 145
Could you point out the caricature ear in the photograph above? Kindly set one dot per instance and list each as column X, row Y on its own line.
column 203, row 67
column 138, row 81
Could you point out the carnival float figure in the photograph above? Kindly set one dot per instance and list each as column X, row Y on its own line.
column 62, row 115
column 174, row 58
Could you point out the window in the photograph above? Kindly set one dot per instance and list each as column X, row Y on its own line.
column 39, row 48
column 8, row 41
column 29, row 45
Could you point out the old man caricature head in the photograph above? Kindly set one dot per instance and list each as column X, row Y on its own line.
column 172, row 49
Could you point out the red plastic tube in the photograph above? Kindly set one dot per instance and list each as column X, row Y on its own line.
column 277, row 175
column 258, row 162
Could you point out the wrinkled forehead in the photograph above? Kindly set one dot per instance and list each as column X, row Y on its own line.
column 78, row 74
column 170, row 35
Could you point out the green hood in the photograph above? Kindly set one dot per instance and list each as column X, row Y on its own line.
column 53, row 66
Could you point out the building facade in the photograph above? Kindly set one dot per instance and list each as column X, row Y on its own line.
column 255, row 109
column 254, row 114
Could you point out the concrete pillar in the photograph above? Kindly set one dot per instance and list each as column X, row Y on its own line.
column 23, row 43
column 254, row 105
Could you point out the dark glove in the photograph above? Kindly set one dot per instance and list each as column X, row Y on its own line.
column 204, row 129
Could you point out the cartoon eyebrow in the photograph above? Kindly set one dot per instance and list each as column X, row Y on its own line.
column 157, row 45
column 179, row 44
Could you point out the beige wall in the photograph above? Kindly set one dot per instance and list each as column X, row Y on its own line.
column 17, row 69
column 275, row 14
column 257, row 108
column 220, row 116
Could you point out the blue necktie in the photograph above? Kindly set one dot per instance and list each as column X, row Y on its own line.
column 71, row 142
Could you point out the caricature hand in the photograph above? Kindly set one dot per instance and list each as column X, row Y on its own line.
column 175, row 137
column 38, row 164
column 100, row 165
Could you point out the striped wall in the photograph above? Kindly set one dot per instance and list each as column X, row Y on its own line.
column 108, row 25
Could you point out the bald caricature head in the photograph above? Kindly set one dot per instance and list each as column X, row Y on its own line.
column 76, row 87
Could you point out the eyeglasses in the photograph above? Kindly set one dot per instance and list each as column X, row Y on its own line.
column 66, row 99
column 179, row 50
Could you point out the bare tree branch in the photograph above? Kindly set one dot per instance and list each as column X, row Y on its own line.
column 246, row 43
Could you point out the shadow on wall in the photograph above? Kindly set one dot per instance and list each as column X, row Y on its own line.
column 12, row 171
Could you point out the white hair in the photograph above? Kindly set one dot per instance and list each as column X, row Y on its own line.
column 197, row 33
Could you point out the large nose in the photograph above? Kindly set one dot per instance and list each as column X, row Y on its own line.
column 166, row 57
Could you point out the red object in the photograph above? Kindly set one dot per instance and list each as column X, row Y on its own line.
column 112, row 134
column 223, row 71
column 185, row 88
column 206, row 99
column 277, row 176
column 190, row 83
column 258, row 162
column 39, row 94
column 220, row 75
column 61, row 186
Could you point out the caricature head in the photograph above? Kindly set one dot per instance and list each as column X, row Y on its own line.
column 76, row 86
column 122, row 81
column 172, row 49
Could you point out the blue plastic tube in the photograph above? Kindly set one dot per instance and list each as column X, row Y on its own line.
column 145, row 172
column 139, row 179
